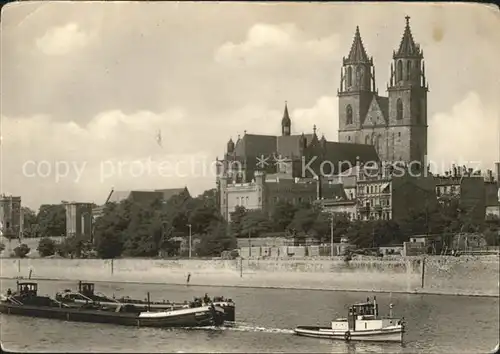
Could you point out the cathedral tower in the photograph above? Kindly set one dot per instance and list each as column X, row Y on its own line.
column 357, row 88
column 408, row 101
column 286, row 123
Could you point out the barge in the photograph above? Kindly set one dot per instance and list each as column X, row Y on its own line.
column 27, row 302
column 86, row 294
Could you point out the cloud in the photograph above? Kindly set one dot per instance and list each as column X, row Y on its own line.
column 264, row 42
column 467, row 134
column 62, row 40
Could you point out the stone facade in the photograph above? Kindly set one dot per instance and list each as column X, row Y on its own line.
column 79, row 219
column 395, row 125
column 10, row 215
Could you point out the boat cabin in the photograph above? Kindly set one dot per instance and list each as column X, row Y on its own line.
column 363, row 310
column 27, row 289
column 86, row 289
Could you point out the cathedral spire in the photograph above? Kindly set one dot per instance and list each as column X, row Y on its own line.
column 408, row 48
column 286, row 122
column 358, row 52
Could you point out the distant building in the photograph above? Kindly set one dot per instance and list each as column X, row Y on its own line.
column 465, row 186
column 141, row 197
column 10, row 216
column 389, row 191
column 79, row 219
column 265, row 191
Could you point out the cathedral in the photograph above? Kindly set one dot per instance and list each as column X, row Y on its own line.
column 395, row 125
column 259, row 170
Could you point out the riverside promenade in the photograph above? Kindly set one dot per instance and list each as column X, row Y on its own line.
column 465, row 275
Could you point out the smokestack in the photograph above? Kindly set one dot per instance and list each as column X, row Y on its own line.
column 490, row 176
column 497, row 166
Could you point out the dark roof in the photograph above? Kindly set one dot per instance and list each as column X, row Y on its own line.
column 342, row 152
column 169, row 193
column 358, row 52
column 290, row 145
column 407, row 47
column 255, row 145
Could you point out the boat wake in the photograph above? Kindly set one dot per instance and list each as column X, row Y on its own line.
column 245, row 327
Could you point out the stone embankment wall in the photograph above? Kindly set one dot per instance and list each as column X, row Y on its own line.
column 465, row 275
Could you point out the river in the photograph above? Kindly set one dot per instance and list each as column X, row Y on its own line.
column 265, row 319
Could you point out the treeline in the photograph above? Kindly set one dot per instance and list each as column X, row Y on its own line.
column 148, row 230
column 305, row 219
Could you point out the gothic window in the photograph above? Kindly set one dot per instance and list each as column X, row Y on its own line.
column 379, row 143
column 367, row 140
column 400, row 71
column 399, row 109
column 348, row 114
column 399, row 135
column 408, row 70
column 349, row 76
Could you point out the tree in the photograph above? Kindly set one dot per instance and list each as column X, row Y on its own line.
column 202, row 217
column 109, row 245
column 46, row 247
column 282, row 215
column 237, row 217
column 254, row 223
column 217, row 240
column 322, row 226
column 303, row 220
column 51, row 220
column 22, row 250
column 29, row 223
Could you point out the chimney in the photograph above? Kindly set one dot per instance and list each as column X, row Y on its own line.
column 490, row 176
column 454, row 170
column 497, row 166
column 319, row 191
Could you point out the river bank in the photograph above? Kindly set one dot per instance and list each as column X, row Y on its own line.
column 466, row 275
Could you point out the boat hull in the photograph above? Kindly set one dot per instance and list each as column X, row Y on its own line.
column 389, row 334
column 229, row 307
column 198, row 317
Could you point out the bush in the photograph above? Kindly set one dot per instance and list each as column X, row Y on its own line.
column 46, row 247
column 22, row 250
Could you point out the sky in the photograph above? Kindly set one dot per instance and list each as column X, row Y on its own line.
column 146, row 95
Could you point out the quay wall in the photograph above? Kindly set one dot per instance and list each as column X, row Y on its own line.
column 465, row 275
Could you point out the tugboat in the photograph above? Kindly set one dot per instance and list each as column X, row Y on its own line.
column 362, row 324
column 86, row 294
column 27, row 302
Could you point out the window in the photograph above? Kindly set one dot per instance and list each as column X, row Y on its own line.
column 348, row 114
column 399, row 135
column 349, row 76
column 379, row 143
column 246, row 202
column 399, row 75
column 348, row 138
column 367, row 140
column 408, row 70
column 399, row 109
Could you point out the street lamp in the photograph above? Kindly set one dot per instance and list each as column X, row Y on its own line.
column 331, row 237
column 189, row 225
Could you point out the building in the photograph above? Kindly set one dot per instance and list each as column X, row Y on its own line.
column 396, row 125
column 143, row 197
column 266, row 190
column 465, row 186
column 79, row 219
column 10, row 216
column 390, row 192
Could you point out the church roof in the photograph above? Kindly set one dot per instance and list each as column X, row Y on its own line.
column 358, row 52
column 407, row 47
